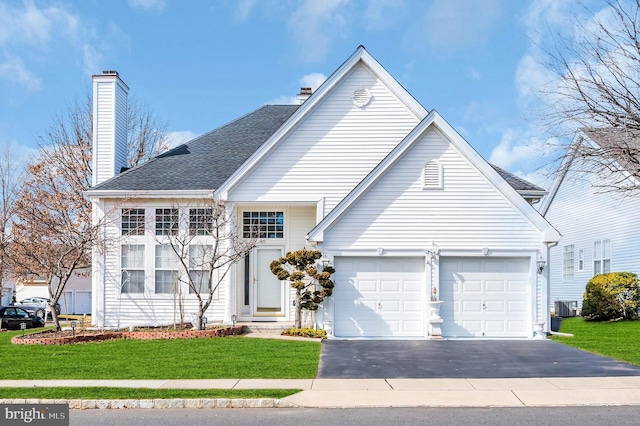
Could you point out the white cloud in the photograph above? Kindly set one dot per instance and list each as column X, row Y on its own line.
column 156, row 6
column 14, row 69
column 244, row 9
column 474, row 74
column 380, row 14
column 454, row 24
column 313, row 24
column 179, row 137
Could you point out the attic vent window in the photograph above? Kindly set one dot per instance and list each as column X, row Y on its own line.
column 432, row 176
column 361, row 97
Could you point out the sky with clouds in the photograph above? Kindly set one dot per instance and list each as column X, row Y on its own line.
column 202, row 63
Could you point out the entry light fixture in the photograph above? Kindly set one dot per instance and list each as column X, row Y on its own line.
column 540, row 262
column 234, row 318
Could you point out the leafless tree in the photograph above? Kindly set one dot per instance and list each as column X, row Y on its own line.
column 53, row 233
column 205, row 243
column 11, row 176
column 598, row 70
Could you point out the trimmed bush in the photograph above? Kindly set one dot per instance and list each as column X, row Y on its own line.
column 611, row 296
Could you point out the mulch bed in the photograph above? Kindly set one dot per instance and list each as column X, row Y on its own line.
column 52, row 337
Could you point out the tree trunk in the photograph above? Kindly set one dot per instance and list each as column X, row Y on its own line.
column 298, row 319
column 54, row 316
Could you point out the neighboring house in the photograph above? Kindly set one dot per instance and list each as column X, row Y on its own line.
column 390, row 194
column 76, row 296
column 7, row 292
column 598, row 226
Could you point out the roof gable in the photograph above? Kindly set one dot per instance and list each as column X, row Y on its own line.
column 360, row 56
column 435, row 120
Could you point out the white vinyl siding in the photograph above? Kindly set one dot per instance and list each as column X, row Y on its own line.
column 333, row 148
column 577, row 212
column 469, row 213
column 568, row 263
column 110, row 145
column 111, row 308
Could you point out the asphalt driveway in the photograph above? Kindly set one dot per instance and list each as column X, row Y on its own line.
column 463, row 359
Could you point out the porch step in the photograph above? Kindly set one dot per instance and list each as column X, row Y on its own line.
column 265, row 327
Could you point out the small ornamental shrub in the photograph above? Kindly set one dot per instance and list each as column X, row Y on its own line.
column 611, row 296
column 312, row 286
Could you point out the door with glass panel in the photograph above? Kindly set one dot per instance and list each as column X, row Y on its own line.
column 268, row 291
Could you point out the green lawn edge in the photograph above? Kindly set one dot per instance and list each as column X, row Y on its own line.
column 140, row 393
column 232, row 357
column 614, row 339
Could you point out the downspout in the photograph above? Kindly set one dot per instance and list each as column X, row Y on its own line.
column 548, row 278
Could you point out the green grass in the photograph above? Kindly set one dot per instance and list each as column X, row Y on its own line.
column 220, row 358
column 135, row 393
column 617, row 339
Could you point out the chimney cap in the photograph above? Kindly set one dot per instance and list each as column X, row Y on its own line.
column 110, row 72
column 305, row 91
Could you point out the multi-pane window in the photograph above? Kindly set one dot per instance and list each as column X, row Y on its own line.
column 601, row 257
column 166, row 221
column 132, row 268
column 200, row 221
column 166, row 269
column 567, row 263
column 132, row 221
column 200, row 257
column 580, row 260
column 263, row 225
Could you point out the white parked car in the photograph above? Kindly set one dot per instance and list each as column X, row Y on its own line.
column 39, row 306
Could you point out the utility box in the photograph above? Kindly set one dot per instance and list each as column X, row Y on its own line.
column 566, row 308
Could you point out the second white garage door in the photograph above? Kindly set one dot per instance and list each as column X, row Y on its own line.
column 485, row 297
column 379, row 297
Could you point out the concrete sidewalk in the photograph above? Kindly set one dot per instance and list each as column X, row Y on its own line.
column 347, row 393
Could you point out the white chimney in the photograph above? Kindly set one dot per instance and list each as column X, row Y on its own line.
column 109, row 126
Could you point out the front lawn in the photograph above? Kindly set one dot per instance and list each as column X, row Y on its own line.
column 617, row 339
column 219, row 358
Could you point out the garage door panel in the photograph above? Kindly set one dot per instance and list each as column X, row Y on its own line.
column 390, row 297
column 485, row 297
column 517, row 286
column 390, row 286
column 495, row 286
column 495, row 306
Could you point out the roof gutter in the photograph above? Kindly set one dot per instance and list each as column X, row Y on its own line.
column 190, row 193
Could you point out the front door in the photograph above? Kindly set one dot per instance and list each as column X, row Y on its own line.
column 268, row 291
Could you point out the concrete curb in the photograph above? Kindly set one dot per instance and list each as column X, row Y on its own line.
column 125, row 404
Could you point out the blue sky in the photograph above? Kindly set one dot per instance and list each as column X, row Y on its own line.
column 200, row 64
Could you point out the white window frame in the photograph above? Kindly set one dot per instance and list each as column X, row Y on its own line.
column 166, row 221
column 266, row 223
column 132, row 264
column 130, row 223
column 601, row 256
column 198, row 263
column 581, row 260
column 165, row 264
column 568, row 263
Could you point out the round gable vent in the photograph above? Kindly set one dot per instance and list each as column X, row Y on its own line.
column 361, row 97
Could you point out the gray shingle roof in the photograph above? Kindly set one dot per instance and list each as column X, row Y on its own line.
column 208, row 160
column 516, row 182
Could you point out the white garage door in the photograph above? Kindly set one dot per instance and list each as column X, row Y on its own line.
column 379, row 297
column 485, row 297
column 83, row 302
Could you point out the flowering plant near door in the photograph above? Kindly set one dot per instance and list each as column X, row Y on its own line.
column 312, row 286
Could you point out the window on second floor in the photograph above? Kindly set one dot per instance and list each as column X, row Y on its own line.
column 263, row 225
column 580, row 260
column 132, row 221
column 567, row 263
column 166, row 221
column 601, row 257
